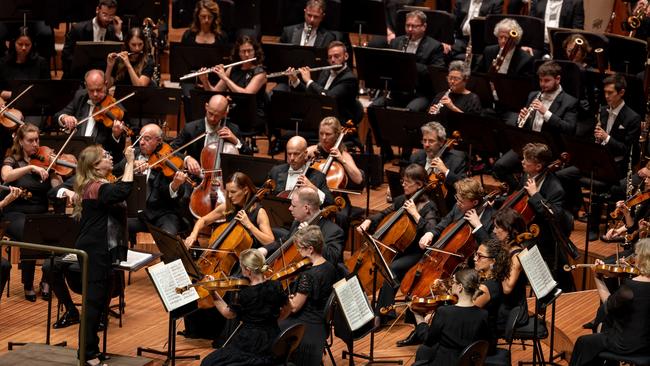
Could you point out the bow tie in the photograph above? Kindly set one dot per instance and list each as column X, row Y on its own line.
column 295, row 172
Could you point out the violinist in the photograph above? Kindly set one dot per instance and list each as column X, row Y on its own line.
column 298, row 173
column 423, row 214
column 304, row 208
column 166, row 195
column 102, row 214
column 310, row 296
column 456, row 326
column 457, row 98
column 258, row 308
column 133, row 66
column 626, row 326
column 239, row 189
column 5, row 266
column 17, row 171
column 84, row 103
column 516, row 61
column 632, row 216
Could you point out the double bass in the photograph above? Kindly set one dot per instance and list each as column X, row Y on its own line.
column 398, row 229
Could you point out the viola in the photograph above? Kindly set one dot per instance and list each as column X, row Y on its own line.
column 166, row 160
column 291, row 271
column 423, row 305
column 222, row 284
column 434, row 175
column 23, row 192
column 111, row 112
column 64, row 165
column 333, row 170
column 11, row 118
column 607, row 270
column 630, row 202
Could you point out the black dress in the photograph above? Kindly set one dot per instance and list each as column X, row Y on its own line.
column 626, row 329
column 316, row 283
column 258, row 308
column 35, row 68
column 124, row 79
column 252, row 216
column 517, row 297
column 452, row 329
column 496, row 299
column 102, row 232
column 242, row 78
column 468, row 103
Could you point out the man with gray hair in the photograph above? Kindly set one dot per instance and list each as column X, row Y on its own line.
column 516, row 61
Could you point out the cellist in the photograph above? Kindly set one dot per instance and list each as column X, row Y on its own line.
column 424, row 216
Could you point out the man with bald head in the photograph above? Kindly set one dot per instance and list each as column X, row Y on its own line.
column 216, row 110
column 295, row 172
column 82, row 106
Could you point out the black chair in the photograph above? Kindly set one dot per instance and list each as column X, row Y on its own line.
column 474, row 354
column 329, row 324
column 527, row 332
column 502, row 355
column 287, row 342
column 440, row 24
column 632, row 359
column 533, row 36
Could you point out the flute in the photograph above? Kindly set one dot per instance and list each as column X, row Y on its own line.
column 296, row 72
column 209, row 70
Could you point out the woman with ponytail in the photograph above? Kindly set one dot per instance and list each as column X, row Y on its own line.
column 455, row 327
column 257, row 308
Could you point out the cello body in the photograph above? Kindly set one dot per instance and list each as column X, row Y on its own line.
column 205, row 195
column 336, row 176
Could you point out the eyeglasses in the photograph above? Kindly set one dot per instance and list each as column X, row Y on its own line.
column 454, row 78
column 413, row 26
column 480, row 256
column 106, row 155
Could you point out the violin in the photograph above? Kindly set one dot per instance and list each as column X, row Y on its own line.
column 166, row 160
column 333, row 170
column 630, row 202
column 111, row 113
column 607, row 270
column 423, row 305
column 64, row 165
column 223, row 284
column 11, row 118
column 434, row 174
column 291, row 270
column 23, row 192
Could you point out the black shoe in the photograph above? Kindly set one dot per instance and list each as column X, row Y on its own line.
column 410, row 340
column 593, row 235
column 68, row 318
column 30, row 297
column 102, row 356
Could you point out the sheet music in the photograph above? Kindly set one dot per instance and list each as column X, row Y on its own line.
column 539, row 276
column 354, row 303
column 166, row 278
column 134, row 259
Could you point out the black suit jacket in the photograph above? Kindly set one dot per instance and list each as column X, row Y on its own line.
column 79, row 108
column 455, row 214
column 82, row 31
column 520, row 65
column 279, row 174
column 293, row 33
column 565, row 112
column 455, row 160
column 194, row 129
column 462, row 8
column 429, row 52
column 344, row 87
column 623, row 135
column 572, row 14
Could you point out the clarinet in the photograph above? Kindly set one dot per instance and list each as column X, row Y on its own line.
column 522, row 120
column 405, row 46
column 307, row 34
column 439, row 105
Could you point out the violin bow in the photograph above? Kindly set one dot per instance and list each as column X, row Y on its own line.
column 178, row 149
column 7, row 105
column 103, row 110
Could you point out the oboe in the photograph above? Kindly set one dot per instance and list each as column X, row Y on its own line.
column 522, row 120
column 598, row 125
column 439, row 105
column 405, row 46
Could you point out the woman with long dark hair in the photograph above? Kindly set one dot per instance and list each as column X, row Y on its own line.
column 22, row 62
column 133, row 66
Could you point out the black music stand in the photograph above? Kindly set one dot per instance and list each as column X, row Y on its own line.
column 438, row 77
column 45, row 98
column 280, row 56
column 91, row 55
column 372, row 167
column 149, row 102
column 399, row 127
column 627, row 54
column 277, row 209
column 504, row 85
column 184, row 59
column 596, row 162
column 396, row 71
column 256, row 168
column 394, row 180
column 478, row 135
column 479, row 83
column 173, row 248
column 363, row 16
column 301, row 112
column 242, row 107
column 379, row 265
column 517, row 138
column 74, row 147
column 241, row 14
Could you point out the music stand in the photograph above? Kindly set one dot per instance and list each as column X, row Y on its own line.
column 372, row 167
column 363, row 16
column 627, row 54
column 396, row 71
column 504, row 85
column 173, row 248
column 280, row 56
column 438, row 77
column 92, row 55
column 74, row 147
column 517, row 138
column 277, row 209
column 596, row 162
column 401, row 125
column 301, row 111
column 477, row 133
column 242, row 107
column 479, row 83
column 134, row 11
column 256, row 168
column 45, row 98
column 394, row 180
column 149, row 102
column 184, row 59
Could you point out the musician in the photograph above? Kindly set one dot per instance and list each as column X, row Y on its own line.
column 258, row 308
column 466, row 10
column 551, row 110
column 102, row 214
column 469, row 199
column 641, row 7
column 18, row 172
column 22, row 62
column 452, row 163
column 580, row 53
column 454, row 327
column 134, row 66
column 309, row 33
column 239, row 190
column 562, row 14
column 248, row 78
column 105, row 26
column 309, row 297
column 216, row 109
column 5, row 266
column 82, row 105
column 206, row 25
column 517, row 62
column 340, row 84
column 626, row 329
column 457, row 98
column 422, row 212
column 165, row 195
column 297, row 172
column 508, row 225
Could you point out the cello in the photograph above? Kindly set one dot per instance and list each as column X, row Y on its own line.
column 398, row 229
column 455, row 243
column 337, row 178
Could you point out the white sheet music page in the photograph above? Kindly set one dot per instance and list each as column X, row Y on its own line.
column 354, row 303
column 166, row 278
column 539, row 276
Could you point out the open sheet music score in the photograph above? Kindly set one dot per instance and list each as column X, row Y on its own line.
column 537, row 271
column 353, row 302
column 135, row 258
column 166, row 278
